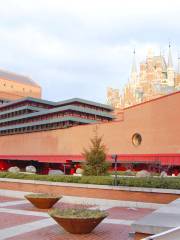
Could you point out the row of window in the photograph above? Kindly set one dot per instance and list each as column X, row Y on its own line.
column 37, row 128
column 16, row 113
column 54, row 116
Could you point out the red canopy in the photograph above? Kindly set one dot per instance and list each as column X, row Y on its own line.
column 164, row 159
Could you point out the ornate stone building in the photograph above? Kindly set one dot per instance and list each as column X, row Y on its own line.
column 155, row 78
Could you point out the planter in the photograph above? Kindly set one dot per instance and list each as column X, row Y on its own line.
column 42, row 201
column 78, row 224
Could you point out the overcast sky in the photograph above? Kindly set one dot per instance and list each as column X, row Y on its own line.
column 77, row 48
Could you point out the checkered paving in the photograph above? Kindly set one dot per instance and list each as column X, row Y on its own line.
column 20, row 220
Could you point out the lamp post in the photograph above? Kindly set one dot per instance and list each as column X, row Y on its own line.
column 64, row 169
column 114, row 157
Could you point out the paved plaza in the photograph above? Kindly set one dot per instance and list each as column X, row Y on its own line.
column 20, row 220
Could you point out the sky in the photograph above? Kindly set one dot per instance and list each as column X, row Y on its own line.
column 78, row 48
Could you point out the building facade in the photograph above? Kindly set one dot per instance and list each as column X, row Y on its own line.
column 146, row 133
column 14, row 86
column 156, row 78
column 34, row 115
column 52, row 135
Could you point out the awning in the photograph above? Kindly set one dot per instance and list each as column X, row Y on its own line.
column 163, row 159
column 43, row 158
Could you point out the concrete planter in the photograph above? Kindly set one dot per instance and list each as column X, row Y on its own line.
column 42, row 201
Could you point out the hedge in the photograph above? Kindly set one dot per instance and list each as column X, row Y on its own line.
column 150, row 182
column 100, row 180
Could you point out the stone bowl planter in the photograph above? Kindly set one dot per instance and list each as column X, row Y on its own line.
column 42, row 201
column 78, row 221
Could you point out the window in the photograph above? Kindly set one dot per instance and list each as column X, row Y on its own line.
column 136, row 139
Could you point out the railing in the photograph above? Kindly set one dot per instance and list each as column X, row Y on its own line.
column 172, row 234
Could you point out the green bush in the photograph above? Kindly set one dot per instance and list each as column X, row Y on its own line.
column 149, row 182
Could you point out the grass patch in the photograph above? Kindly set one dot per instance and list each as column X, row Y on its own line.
column 77, row 213
column 42, row 195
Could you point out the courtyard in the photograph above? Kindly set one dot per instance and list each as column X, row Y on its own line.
column 20, row 220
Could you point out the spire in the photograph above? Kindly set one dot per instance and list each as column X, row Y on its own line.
column 134, row 68
column 160, row 52
column 170, row 63
column 150, row 53
column 179, row 64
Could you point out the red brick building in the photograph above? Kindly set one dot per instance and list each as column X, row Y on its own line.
column 145, row 133
column 14, row 86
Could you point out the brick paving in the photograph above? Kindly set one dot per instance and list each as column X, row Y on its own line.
column 30, row 207
column 9, row 220
column 112, row 230
column 7, row 199
column 102, row 232
column 128, row 213
column 92, row 193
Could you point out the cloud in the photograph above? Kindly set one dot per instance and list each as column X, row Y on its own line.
column 79, row 48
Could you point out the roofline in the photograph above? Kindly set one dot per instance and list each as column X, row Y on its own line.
column 31, row 83
column 28, row 99
column 86, row 102
column 153, row 100
column 108, row 107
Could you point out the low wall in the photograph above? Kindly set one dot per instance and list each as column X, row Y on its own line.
column 146, row 195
